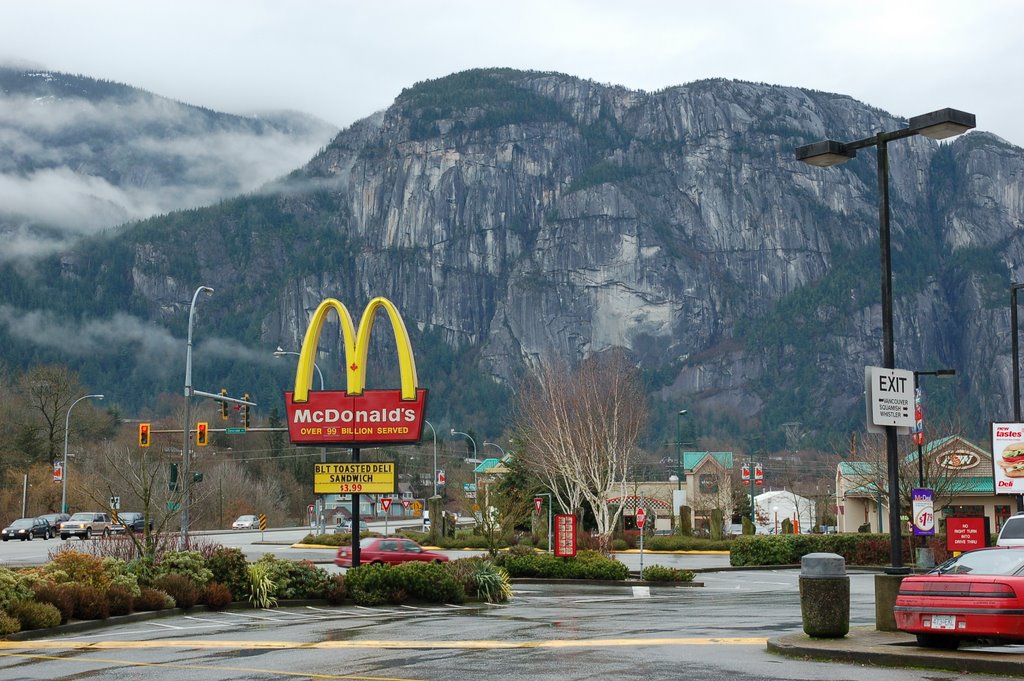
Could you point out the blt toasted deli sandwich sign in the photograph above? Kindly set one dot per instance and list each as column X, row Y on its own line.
column 355, row 417
column 1008, row 457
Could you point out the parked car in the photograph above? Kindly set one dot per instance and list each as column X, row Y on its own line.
column 976, row 595
column 85, row 524
column 55, row 520
column 129, row 521
column 344, row 526
column 246, row 522
column 1012, row 531
column 387, row 551
column 26, row 528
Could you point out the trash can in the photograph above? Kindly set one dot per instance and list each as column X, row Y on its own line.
column 824, row 595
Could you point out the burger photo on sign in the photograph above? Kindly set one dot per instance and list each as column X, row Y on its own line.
column 1012, row 460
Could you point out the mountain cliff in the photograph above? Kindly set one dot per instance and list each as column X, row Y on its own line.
column 520, row 217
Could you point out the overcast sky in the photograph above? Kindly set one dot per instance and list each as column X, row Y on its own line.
column 342, row 61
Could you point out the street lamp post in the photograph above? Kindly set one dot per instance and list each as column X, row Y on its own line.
column 498, row 446
column 321, row 521
column 936, row 125
column 680, row 472
column 434, row 432
column 475, row 459
column 941, row 373
column 64, row 466
column 1016, row 368
column 186, row 487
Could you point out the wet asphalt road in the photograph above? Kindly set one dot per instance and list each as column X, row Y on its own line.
column 556, row 632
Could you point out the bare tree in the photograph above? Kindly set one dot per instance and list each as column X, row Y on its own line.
column 49, row 391
column 579, row 430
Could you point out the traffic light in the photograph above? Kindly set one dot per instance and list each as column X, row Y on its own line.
column 202, row 436
column 172, row 478
column 245, row 412
column 224, row 405
column 143, row 434
column 197, row 476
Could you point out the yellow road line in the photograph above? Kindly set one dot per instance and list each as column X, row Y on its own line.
column 220, row 668
column 341, row 645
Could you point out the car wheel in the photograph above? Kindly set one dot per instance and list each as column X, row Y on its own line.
column 938, row 641
column 63, row 537
column 106, row 532
column 88, row 533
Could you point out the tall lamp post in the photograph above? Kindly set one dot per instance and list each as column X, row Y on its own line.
column 321, row 522
column 64, row 466
column 680, row 471
column 941, row 373
column 498, row 446
column 1016, row 368
column 434, row 432
column 936, row 125
column 470, row 438
column 186, row 487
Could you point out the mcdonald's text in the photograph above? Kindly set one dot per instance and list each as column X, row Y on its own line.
column 375, row 417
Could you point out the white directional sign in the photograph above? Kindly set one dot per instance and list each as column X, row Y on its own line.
column 891, row 396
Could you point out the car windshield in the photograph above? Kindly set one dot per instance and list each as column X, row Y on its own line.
column 22, row 522
column 86, row 517
column 994, row 562
column 1013, row 529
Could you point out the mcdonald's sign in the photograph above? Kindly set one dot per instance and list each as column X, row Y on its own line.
column 356, row 416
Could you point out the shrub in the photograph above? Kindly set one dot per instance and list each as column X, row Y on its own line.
column 179, row 587
column 12, row 588
column 89, row 602
column 377, row 584
column 492, row 583
column 261, row 586
column 153, row 599
column 586, row 565
column 8, row 624
column 658, row 573
column 229, row 567
column 57, row 596
column 295, row 579
column 79, row 568
column 35, row 615
column 337, row 589
column 121, row 600
column 190, row 564
column 619, row 545
column 216, row 595
column 144, row 570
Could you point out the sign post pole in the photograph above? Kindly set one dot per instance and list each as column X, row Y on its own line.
column 641, row 519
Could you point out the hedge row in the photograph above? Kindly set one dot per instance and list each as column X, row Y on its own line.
column 856, row 549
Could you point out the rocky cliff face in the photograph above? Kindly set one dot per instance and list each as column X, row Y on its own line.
column 535, row 216
column 679, row 225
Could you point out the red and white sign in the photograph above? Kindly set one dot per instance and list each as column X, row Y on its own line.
column 758, row 475
column 406, row 503
column 385, row 503
column 641, row 517
column 565, row 535
column 58, row 471
column 440, row 477
column 538, row 503
column 964, row 534
column 1008, row 458
column 377, row 417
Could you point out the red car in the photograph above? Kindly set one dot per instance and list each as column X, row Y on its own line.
column 979, row 595
column 387, row 551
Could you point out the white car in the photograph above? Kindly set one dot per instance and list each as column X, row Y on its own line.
column 1012, row 533
column 246, row 522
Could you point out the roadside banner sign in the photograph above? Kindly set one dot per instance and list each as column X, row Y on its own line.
column 641, row 517
column 385, row 503
column 58, row 471
column 924, row 512
column 758, row 475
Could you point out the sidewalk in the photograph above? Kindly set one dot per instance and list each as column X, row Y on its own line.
column 896, row 649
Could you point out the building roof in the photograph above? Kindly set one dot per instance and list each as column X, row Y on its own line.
column 692, row 459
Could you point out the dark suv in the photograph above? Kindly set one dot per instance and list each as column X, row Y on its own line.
column 128, row 521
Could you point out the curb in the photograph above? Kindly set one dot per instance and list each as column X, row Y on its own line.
column 894, row 649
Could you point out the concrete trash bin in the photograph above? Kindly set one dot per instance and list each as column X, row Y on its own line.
column 824, row 595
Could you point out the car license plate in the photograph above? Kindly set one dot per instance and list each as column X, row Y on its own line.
column 943, row 622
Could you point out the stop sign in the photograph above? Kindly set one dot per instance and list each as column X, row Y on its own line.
column 641, row 517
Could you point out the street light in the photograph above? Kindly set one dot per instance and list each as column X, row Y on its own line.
column 435, row 453
column 941, row 373
column 321, row 521
column 680, row 471
column 936, row 125
column 476, row 461
column 64, row 466
column 186, row 490
column 498, row 446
